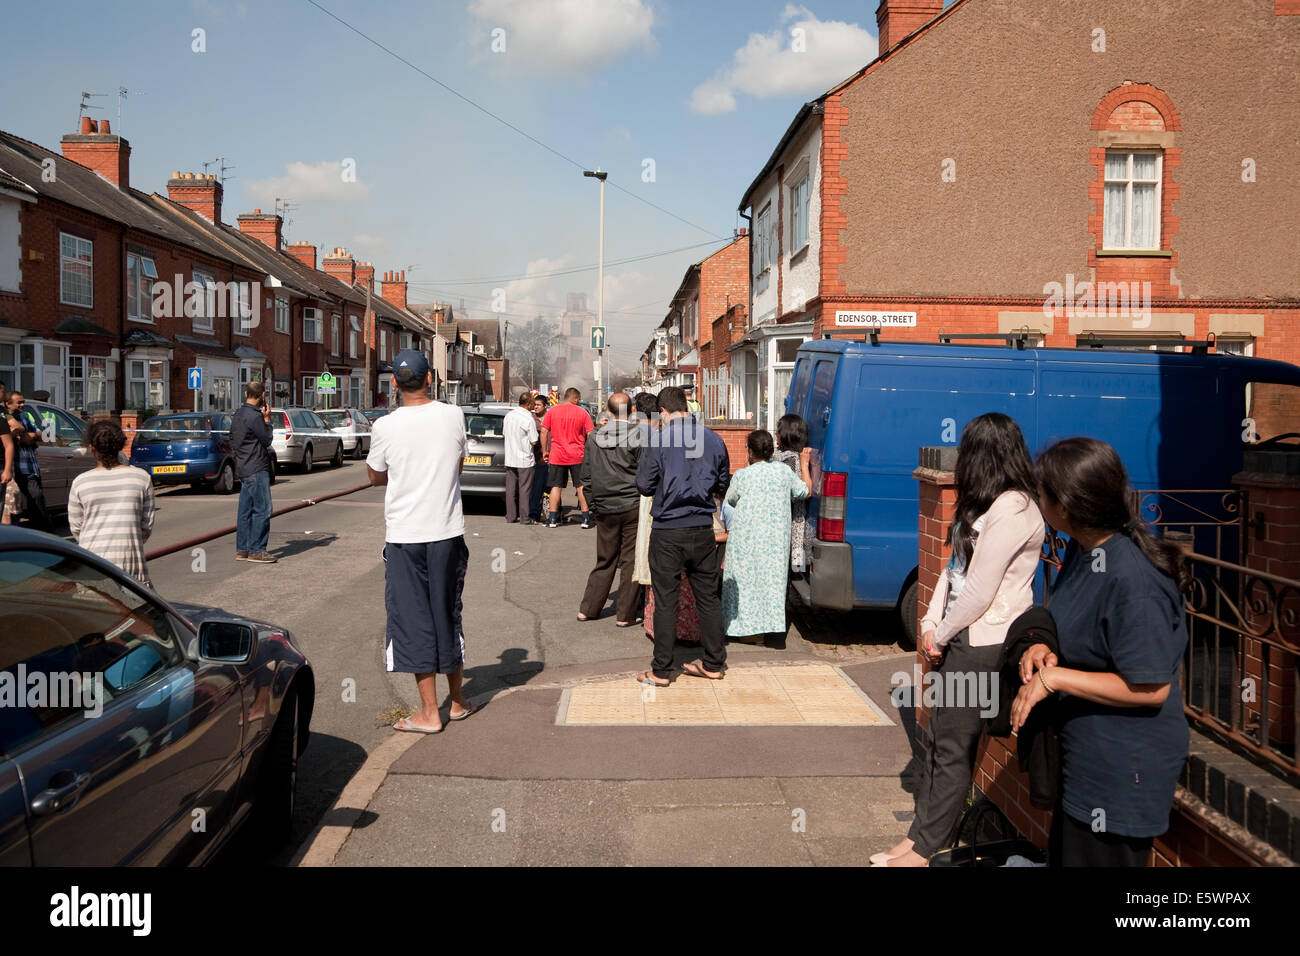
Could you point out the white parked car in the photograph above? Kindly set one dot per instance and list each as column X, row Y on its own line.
column 300, row 438
column 352, row 425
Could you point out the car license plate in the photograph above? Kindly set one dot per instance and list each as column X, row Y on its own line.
column 169, row 469
column 478, row 459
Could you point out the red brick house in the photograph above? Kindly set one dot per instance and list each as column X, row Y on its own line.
column 1081, row 171
column 82, row 320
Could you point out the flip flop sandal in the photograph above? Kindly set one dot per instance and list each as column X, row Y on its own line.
column 695, row 669
column 627, row 623
column 410, row 728
column 469, row 713
column 645, row 677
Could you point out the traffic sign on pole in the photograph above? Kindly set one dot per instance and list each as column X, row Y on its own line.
column 196, row 378
column 598, row 337
column 326, row 384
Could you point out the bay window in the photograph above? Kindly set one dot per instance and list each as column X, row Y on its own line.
column 87, row 382
column 146, row 383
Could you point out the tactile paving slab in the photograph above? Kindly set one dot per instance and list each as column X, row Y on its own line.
column 765, row 695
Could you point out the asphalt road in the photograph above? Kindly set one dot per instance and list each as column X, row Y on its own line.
column 520, row 602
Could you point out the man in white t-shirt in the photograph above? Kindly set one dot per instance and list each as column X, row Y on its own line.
column 417, row 451
column 520, row 431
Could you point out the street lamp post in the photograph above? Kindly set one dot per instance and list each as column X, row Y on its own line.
column 600, row 285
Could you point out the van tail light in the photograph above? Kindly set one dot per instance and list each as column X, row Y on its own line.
column 830, row 506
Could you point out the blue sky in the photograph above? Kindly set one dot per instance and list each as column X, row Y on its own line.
column 287, row 94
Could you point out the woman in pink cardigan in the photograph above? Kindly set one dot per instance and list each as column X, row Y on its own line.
column 996, row 538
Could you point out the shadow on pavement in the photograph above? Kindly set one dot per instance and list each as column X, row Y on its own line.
column 301, row 545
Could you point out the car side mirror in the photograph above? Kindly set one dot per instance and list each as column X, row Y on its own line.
column 226, row 642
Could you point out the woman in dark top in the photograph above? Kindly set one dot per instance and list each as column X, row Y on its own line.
column 1122, row 633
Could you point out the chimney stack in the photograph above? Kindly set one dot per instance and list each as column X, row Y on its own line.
column 394, row 288
column 341, row 266
column 96, row 148
column 265, row 227
column 897, row 19
column 304, row 252
column 201, row 193
column 366, row 273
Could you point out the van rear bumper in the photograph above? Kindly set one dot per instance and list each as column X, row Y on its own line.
column 830, row 582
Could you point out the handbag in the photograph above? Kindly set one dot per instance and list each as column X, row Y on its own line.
column 21, row 503
column 998, row 844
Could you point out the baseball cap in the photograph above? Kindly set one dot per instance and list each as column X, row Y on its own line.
column 409, row 365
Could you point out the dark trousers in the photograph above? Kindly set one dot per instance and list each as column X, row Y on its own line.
column 519, row 489
column 692, row 550
column 1072, row 843
column 948, row 758
column 615, row 550
column 539, row 489
column 253, row 518
column 37, row 513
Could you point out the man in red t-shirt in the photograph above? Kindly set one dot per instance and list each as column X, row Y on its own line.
column 564, row 439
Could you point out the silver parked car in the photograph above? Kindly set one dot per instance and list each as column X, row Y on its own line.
column 352, row 425
column 484, row 471
column 63, row 458
column 300, row 438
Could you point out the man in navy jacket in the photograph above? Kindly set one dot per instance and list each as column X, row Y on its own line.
column 684, row 467
column 250, row 437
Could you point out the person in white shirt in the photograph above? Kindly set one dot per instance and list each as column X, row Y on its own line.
column 996, row 538
column 520, row 430
column 417, row 452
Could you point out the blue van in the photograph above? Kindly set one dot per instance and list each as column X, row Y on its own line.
column 1178, row 421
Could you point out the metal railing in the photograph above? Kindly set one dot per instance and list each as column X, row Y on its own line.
column 1241, row 671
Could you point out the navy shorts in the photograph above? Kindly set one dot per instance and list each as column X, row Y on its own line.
column 422, row 592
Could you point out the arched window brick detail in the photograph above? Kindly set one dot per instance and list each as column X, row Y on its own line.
column 1136, row 115
column 1137, row 108
column 1129, row 93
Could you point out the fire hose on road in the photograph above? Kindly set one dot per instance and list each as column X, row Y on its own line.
column 222, row 532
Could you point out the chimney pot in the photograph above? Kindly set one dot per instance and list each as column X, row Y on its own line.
column 85, row 125
column 104, row 127
column 257, row 212
column 176, row 174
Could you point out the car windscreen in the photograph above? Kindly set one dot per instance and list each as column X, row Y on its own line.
column 335, row 419
column 484, row 425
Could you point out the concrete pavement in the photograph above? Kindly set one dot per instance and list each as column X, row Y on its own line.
column 725, row 788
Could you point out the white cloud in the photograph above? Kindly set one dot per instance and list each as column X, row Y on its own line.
column 325, row 181
column 786, row 62
column 564, row 36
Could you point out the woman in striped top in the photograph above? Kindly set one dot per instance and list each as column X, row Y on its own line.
column 111, row 508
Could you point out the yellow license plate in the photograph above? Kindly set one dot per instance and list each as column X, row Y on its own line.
column 169, row 469
column 478, row 459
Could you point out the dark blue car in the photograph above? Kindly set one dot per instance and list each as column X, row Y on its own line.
column 137, row 731
column 192, row 449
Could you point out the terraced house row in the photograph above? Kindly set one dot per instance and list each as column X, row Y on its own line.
column 109, row 293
